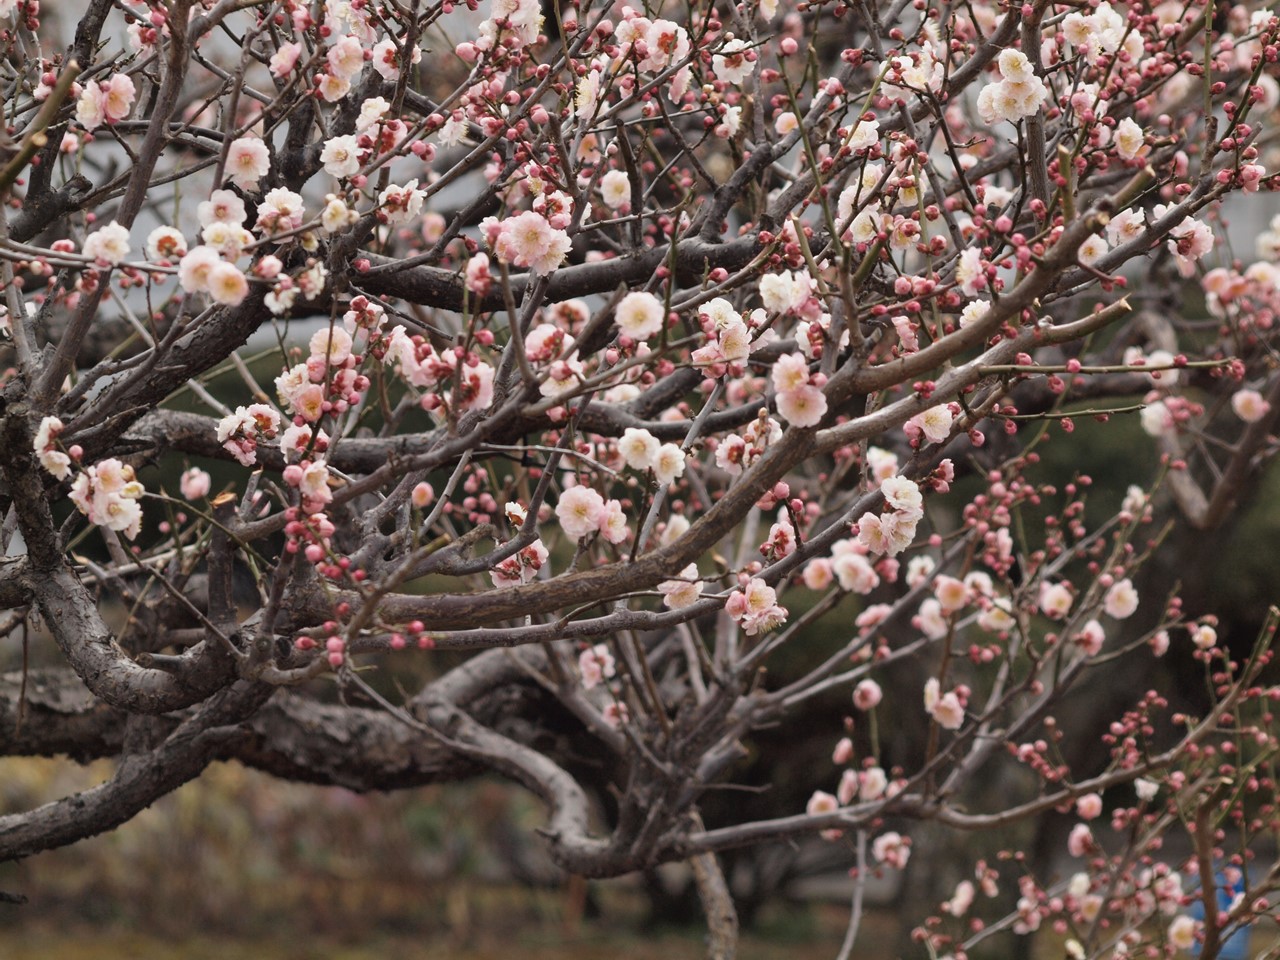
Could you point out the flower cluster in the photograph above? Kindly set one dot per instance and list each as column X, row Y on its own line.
column 891, row 532
column 241, row 431
column 755, row 608
column 1018, row 94
column 108, row 494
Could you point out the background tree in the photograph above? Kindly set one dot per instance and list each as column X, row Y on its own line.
column 635, row 347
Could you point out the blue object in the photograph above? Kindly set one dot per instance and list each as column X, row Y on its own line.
column 1236, row 946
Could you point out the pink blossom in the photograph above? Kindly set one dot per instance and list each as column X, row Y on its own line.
column 165, row 243
column 1182, row 932
column 110, row 244
column 285, row 59
column 639, row 315
column 821, row 803
column 117, row 96
column 639, row 448
column 843, row 752
column 248, row 161
column 805, row 406
column 1121, row 600
column 1091, row 638
column 51, row 458
column 668, row 463
column 596, row 666
column 91, row 111
column 848, row 788
column 681, row 592
column 528, row 240
column 1089, row 806
column 790, row 372
column 891, row 849
column 818, row 574
column 1080, row 842
column 867, row 694
column 227, row 285
column 1249, row 405
column 1055, row 600
column 194, row 483
column 579, row 512
column 952, row 594
column 521, row 568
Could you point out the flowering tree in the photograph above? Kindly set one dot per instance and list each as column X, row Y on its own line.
column 638, row 341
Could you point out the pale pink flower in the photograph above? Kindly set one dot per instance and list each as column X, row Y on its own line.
column 790, row 372
column 615, row 714
column 948, row 711
column 279, row 211
column 596, row 665
column 1128, row 138
column 1092, row 250
column 731, row 64
column 952, row 593
column 387, row 57
column 1249, row 405
column 681, row 592
column 117, row 96
column 639, row 315
column 314, row 485
column 639, row 448
column 400, row 204
column 961, row 900
column 227, row 285
column 821, row 803
column 872, row 617
column 903, row 495
column 51, row 458
column 1089, row 806
column 332, row 87
column 872, row 784
column 110, row 244
column 933, row 424
column 818, row 574
column 891, row 849
column 528, row 240
column 336, row 215
column 1121, row 600
column 969, row 272
column 248, row 161
column 613, row 522
column 1080, row 842
column 668, row 463
column 165, row 243
column 331, row 345
column 1160, row 643
column 194, row 483
column 1182, row 932
column 579, row 512
column 854, row 572
column 1091, row 638
column 91, row 110
column 805, row 406
column 843, row 752
column 1055, row 600
column 615, row 189
column 341, row 156
column 285, row 59
column 521, row 568
column 346, row 57
column 848, row 788
column 422, row 495
column 1204, row 637
column 867, row 694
